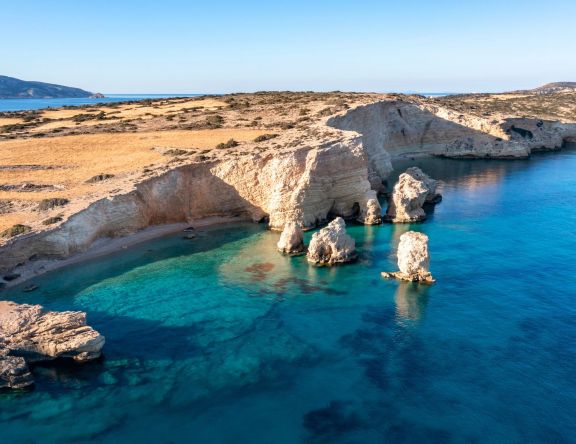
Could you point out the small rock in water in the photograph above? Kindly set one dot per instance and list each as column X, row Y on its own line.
column 413, row 259
column 413, row 189
column 292, row 240
column 29, row 333
column 332, row 245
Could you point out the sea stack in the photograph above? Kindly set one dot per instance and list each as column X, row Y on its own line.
column 371, row 213
column 292, row 240
column 413, row 259
column 332, row 245
column 413, row 189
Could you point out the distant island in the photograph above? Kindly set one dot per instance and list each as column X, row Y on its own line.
column 12, row 88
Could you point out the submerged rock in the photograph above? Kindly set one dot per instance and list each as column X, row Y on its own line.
column 413, row 259
column 413, row 189
column 292, row 239
column 332, row 245
column 37, row 335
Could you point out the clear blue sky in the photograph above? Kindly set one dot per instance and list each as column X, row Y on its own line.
column 171, row 46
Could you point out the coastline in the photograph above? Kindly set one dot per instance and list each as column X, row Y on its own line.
column 108, row 245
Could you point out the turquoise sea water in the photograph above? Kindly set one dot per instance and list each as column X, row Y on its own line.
column 222, row 340
column 30, row 104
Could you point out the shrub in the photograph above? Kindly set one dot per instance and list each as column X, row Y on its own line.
column 15, row 230
column 100, row 178
column 47, row 204
column 214, row 121
column 175, row 152
column 52, row 220
column 230, row 144
column 264, row 137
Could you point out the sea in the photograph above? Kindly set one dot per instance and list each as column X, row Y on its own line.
column 32, row 104
column 220, row 339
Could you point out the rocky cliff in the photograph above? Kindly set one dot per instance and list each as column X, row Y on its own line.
column 416, row 127
column 306, row 185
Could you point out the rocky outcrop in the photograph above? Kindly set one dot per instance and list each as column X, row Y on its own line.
column 28, row 333
column 38, row 335
column 371, row 214
column 332, row 245
column 413, row 126
column 292, row 240
column 14, row 372
column 413, row 259
column 413, row 189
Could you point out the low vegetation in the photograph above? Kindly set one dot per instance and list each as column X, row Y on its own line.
column 230, row 144
column 48, row 204
column 15, row 230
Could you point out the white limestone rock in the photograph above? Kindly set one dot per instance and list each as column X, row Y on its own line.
column 370, row 213
column 37, row 335
column 332, row 245
column 413, row 189
column 413, row 258
column 292, row 240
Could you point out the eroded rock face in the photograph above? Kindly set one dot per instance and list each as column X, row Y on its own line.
column 292, row 240
column 413, row 189
column 371, row 213
column 305, row 184
column 14, row 372
column 413, row 258
column 31, row 332
column 332, row 245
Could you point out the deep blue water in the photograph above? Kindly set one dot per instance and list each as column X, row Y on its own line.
column 222, row 340
column 30, row 104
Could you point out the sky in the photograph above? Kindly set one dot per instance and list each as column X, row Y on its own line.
column 171, row 46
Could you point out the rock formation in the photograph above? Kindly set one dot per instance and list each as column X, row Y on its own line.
column 292, row 240
column 413, row 259
column 28, row 333
column 413, row 189
column 332, row 245
column 305, row 184
column 14, row 372
column 371, row 214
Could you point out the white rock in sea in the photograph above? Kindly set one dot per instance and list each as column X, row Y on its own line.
column 371, row 213
column 38, row 335
column 413, row 258
column 292, row 239
column 332, row 245
column 412, row 190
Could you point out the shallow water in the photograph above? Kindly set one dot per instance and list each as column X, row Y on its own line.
column 30, row 104
column 220, row 339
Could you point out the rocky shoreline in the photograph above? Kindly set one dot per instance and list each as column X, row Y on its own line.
column 335, row 167
column 29, row 334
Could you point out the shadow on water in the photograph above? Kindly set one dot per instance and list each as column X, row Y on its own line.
column 65, row 282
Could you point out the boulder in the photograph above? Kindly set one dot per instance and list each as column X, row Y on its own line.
column 14, row 372
column 31, row 332
column 413, row 189
column 413, row 259
column 332, row 245
column 371, row 213
column 292, row 239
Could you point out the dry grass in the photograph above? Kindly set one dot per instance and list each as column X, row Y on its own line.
column 75, row 159
column 9, row 121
